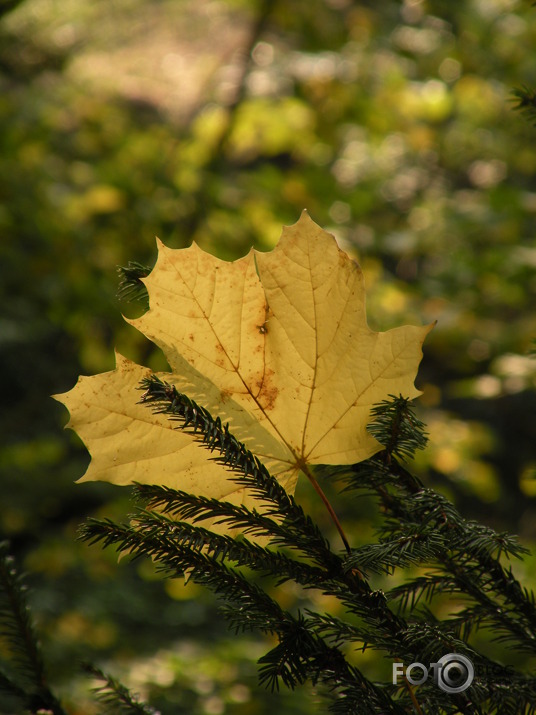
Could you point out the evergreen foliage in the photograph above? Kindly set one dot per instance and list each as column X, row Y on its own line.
column 23, row 684
column 454, row 557
column 131, row 286
column 113, row 694
column 526, row 102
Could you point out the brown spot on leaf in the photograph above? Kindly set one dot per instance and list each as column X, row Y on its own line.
column 225, row 395
column 268, row 391
column 220, row 357
column 263, row 328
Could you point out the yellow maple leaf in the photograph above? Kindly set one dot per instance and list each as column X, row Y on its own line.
column 276, row 344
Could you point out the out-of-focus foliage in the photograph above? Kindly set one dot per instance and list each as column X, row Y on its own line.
column 220, row 120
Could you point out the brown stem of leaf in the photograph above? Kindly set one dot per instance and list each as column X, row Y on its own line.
column 328, row 506
column 413, row 698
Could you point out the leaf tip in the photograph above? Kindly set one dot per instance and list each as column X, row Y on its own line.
column 305, row 218
column 428, row 328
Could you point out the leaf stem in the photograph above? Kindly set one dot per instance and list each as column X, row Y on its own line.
column 328, row 506
column 414, row 700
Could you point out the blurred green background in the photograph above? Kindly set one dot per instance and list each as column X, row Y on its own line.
column 219, row 121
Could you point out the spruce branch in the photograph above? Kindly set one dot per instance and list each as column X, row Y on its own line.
column 471, row 553
column 117, row 698
column 303, row 655
column 166, row 399
column 247, row 470
column 182, row 505
column 526, row 102
column 419, row 528
column 180, row 548
column 465, row 558
column 15, row 619
column 28, row 679
column 242, row 553
column 423, row 588
column 10, row 687
column 255, row 608
column 470, row 561
column 395, row 426
column 292, row 531
column 247, row 605
column 413, row 547
column 131, row 287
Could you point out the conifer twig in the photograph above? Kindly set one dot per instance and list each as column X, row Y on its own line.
column 247, row 470
column 526, row 101
column 233, row 453
column 115, row 695
column 131, row 287
column 16, row 625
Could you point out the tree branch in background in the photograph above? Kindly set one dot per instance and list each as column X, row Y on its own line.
column 118, row 699
column 526, row 102
column 216, row 161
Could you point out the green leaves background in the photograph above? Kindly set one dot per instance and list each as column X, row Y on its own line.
column 220, row 121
